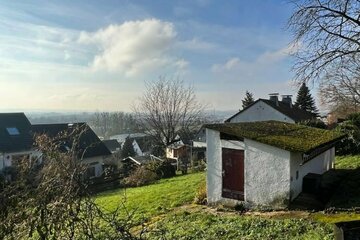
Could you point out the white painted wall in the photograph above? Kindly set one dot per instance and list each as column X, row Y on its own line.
column 137, row 148
column 169, row 153
column 99, row 160
column 214, row 166
column 214, row 163
column 268, row 170
column 261, row 111
column 320, row 164
column 267, row 174
column 6, row 158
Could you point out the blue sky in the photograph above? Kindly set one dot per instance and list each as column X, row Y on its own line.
column 95, row 55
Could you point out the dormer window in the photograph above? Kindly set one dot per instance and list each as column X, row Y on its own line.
column 13, row 131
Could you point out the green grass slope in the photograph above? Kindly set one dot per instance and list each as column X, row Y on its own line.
column 202, row 225
column 157, row 205
column 155, row 199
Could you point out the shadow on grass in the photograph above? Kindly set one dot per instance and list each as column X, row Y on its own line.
column 336, row 191
column 347, row 194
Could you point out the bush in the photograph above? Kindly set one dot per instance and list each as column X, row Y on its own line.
column 201, row 195
column 354, row 118
column 350, row 144
column 316, row 123
column 140, row 176
column 163, row 169
column 200, row 166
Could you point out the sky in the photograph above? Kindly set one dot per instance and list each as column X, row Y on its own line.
column 90, row 55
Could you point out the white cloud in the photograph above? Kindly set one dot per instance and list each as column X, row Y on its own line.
column 67, row 55
column 278, row 55
column 197, row 45
column 230, row 64
column 181, row 64
column 133, row 47
column 264, row 60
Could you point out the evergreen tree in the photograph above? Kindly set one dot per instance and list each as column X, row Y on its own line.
column 128, row 149
column 248, row 100
column 305, row 101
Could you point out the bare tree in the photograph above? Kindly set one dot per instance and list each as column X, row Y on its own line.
column 341, row 85
column 168, row 108
column 101, row 123
column 328, row 34
column 109, row 123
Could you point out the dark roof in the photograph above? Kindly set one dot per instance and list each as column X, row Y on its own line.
column 293, row 112
column 288, row 136
column 144, row 143
column 142, row 139
column 112, row 144
column 89, row 145
column 22, row 140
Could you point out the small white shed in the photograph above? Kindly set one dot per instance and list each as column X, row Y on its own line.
column 263, row 163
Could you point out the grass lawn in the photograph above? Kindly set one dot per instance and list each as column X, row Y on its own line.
column 204, row 225
column 347, row 194
column 155, row 199
column 165, row 207
column 347, row 162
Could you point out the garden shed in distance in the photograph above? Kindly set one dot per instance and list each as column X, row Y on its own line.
column 264, row 163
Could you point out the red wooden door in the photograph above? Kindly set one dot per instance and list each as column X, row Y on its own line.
column 233, row 173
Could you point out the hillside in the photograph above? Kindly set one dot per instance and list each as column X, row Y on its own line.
column 166, row 208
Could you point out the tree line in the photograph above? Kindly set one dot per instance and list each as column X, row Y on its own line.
column 106, row 124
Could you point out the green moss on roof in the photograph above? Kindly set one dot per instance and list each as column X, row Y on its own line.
column 287, row 136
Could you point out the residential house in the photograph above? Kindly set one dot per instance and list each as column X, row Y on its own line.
column 271, row 109
column 260, row 110
column 16, row 140
column 140, row 142
column 199, row 145
column 113, row 145
column 264, row 163
column 176, row 149
column 91, row 150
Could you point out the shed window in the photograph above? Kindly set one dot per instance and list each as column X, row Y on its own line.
column 12, row 131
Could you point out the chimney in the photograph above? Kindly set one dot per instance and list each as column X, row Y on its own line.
column 274, row 98
column 287, row 100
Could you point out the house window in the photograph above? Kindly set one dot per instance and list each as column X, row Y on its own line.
column 12, row 131
column 297, row 175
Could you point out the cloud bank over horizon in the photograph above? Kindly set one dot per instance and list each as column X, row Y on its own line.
column 87, row 56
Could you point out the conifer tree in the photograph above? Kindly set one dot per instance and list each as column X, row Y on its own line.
column 305, row 101
column 128, row 149
column 248, row 100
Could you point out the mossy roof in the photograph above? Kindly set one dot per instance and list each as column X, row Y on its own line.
column 287, row 136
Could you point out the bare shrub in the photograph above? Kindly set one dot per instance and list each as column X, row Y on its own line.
column 201, row 195
column 141, row 176
column 50, row 200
